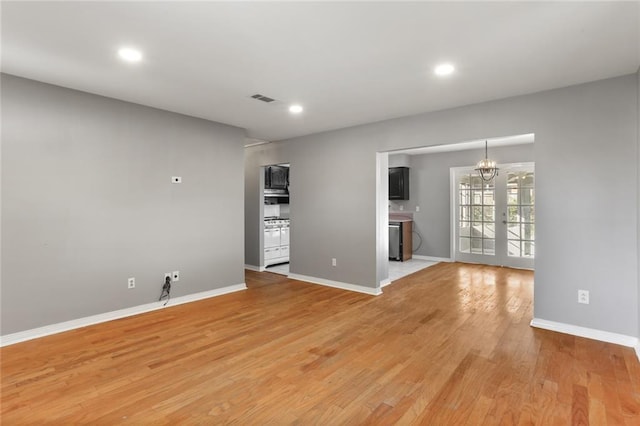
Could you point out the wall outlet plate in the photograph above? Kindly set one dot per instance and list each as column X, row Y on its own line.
column 167, row 274
column 334, row 262
column 583, row 296
column 175, row 276
column 131, row 283
column 176, row 179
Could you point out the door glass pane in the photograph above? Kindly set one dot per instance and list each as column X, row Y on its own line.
column 489, row 246
column 465, row 197
column 528, row 249
column 488, row 213
column 514, row 248
column 465, row 229
column 476, row 181
column 528, row 231
column 526, row 180
column 477, row 213
column 513, row 231
column 476, row 229
column 527, row 196
column 488, row 197
column 465, row 245
column 477, row 197
column 513, row 215
column 512, row 180
column 489, row 230
column 520, row 214
column 527, row 214
column 476, row 245
column 465, row 213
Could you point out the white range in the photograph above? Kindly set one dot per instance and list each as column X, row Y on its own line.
column 276, row 241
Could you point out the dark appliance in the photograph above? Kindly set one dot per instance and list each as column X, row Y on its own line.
column 398, row 183
column 276, row 185
column 276, row 177
column 400, row 241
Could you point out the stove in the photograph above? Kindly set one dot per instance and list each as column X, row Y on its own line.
column 276, row 222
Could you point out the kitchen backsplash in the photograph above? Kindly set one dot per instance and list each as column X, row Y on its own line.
column 276, row 210
column 271, row 210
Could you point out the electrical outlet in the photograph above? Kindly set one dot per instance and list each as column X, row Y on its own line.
column 417, row 208
column 176, row 179
column 167, row 274
column 131, row 283
column 401, row 207
column 583, row 296
column 333, row 262
column 176, row 276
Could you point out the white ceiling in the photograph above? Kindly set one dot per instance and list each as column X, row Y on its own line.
column 347, row 63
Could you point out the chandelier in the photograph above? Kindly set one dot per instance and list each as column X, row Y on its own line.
column 487, row 168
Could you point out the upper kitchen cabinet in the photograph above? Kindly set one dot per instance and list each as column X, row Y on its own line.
column 398, row 183
column 276, row 177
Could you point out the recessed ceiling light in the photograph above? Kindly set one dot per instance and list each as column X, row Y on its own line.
column 444, row 69
column 130, row 55
column 295, row 109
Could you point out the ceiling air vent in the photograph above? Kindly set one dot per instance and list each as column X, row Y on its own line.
column 262, row 98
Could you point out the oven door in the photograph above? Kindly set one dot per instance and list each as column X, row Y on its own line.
column 271, row 236
column 394, row 241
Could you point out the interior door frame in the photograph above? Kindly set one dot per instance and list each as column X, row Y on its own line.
column 500, row 258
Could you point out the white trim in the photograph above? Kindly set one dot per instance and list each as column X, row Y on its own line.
column 453, row 218
column 589, row 333
column 496, row 142
column 337, row 284
column 47, row 330
column 385, row 282
column 431, row 258
column 638, row 351
column 254, row 268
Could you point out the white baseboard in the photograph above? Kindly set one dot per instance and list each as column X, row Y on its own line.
column 47, row 330
column 589, row 333
column 638, row 351
column 255, row 268
column 337, row 284
column 385, row 282
column 432, row 259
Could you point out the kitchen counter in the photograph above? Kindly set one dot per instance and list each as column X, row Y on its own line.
column 401, row 217
column 400, row 220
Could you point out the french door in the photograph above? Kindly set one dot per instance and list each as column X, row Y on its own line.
column 494, row 222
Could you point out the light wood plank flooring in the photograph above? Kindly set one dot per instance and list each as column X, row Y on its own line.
column 448, row 345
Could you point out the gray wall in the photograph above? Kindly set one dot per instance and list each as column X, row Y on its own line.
column 586, row 181
column 87, row 202
column 430, row 189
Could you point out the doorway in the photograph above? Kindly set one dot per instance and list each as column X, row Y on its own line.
column 493, row 222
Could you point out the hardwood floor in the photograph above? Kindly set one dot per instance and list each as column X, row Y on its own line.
column 447, row 345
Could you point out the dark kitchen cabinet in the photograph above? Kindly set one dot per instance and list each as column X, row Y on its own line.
column 276, row 177
column 398, row 183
